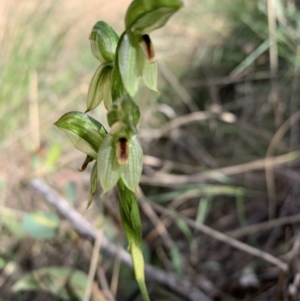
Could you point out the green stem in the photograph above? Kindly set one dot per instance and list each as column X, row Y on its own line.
column 129, row 211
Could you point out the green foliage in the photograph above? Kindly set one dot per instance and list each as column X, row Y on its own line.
column 84, row 132
column 100, row 88
column 41, row 225
column 144, row 16
column 62, row 282
column 104, row 42
column 119, row 154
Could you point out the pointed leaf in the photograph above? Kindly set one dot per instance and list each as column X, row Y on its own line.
column 128, row 63
column 132, row 170
column 93, row 184
column 108, row 166
column 84, row 132
column 104, row 41
column 100, row 88
column 142, row 17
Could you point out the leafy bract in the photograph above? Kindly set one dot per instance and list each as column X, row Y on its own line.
column 108, row 166
column 128, row 63
column 104, row 41
column 132, row 170
column 125, row 112
column 84, row 132
column 100, row 88
column 144, row 16
column 93, row 184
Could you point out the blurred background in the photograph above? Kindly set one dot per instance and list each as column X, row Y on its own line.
column 221, row 144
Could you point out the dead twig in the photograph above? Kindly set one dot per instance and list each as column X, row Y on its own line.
column 182, row 286
column 264, row 226
column 260, row 164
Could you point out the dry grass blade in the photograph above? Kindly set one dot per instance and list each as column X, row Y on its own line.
column 270, row 151
column 93, row 267
column 226, row 239
column 264, row 226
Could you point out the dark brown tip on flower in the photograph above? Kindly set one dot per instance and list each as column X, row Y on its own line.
column 85, row 163
column 147, row 47
column 122, row 151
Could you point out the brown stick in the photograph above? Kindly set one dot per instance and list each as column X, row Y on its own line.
column 260, row 164
column 181, row 286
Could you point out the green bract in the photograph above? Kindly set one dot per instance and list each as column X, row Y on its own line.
column 129, row 65
column 100, row 88
column 144, row 16
column 123, row 116
column 85, row 132
column 93, row 184
column 104, row 42
column 120, row 158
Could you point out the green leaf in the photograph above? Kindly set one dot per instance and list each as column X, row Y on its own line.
column 100, row 88
column 108, row 166
column 132, row 170
column 104, row 41
column 93, row 184
column 63, row 282
column 128, row 63
column 150, row 75
column 41, row 224
column 144, row 16
column 84, row 132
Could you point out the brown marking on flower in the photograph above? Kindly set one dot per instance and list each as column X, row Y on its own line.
column 122, row 150
column 147, row 48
